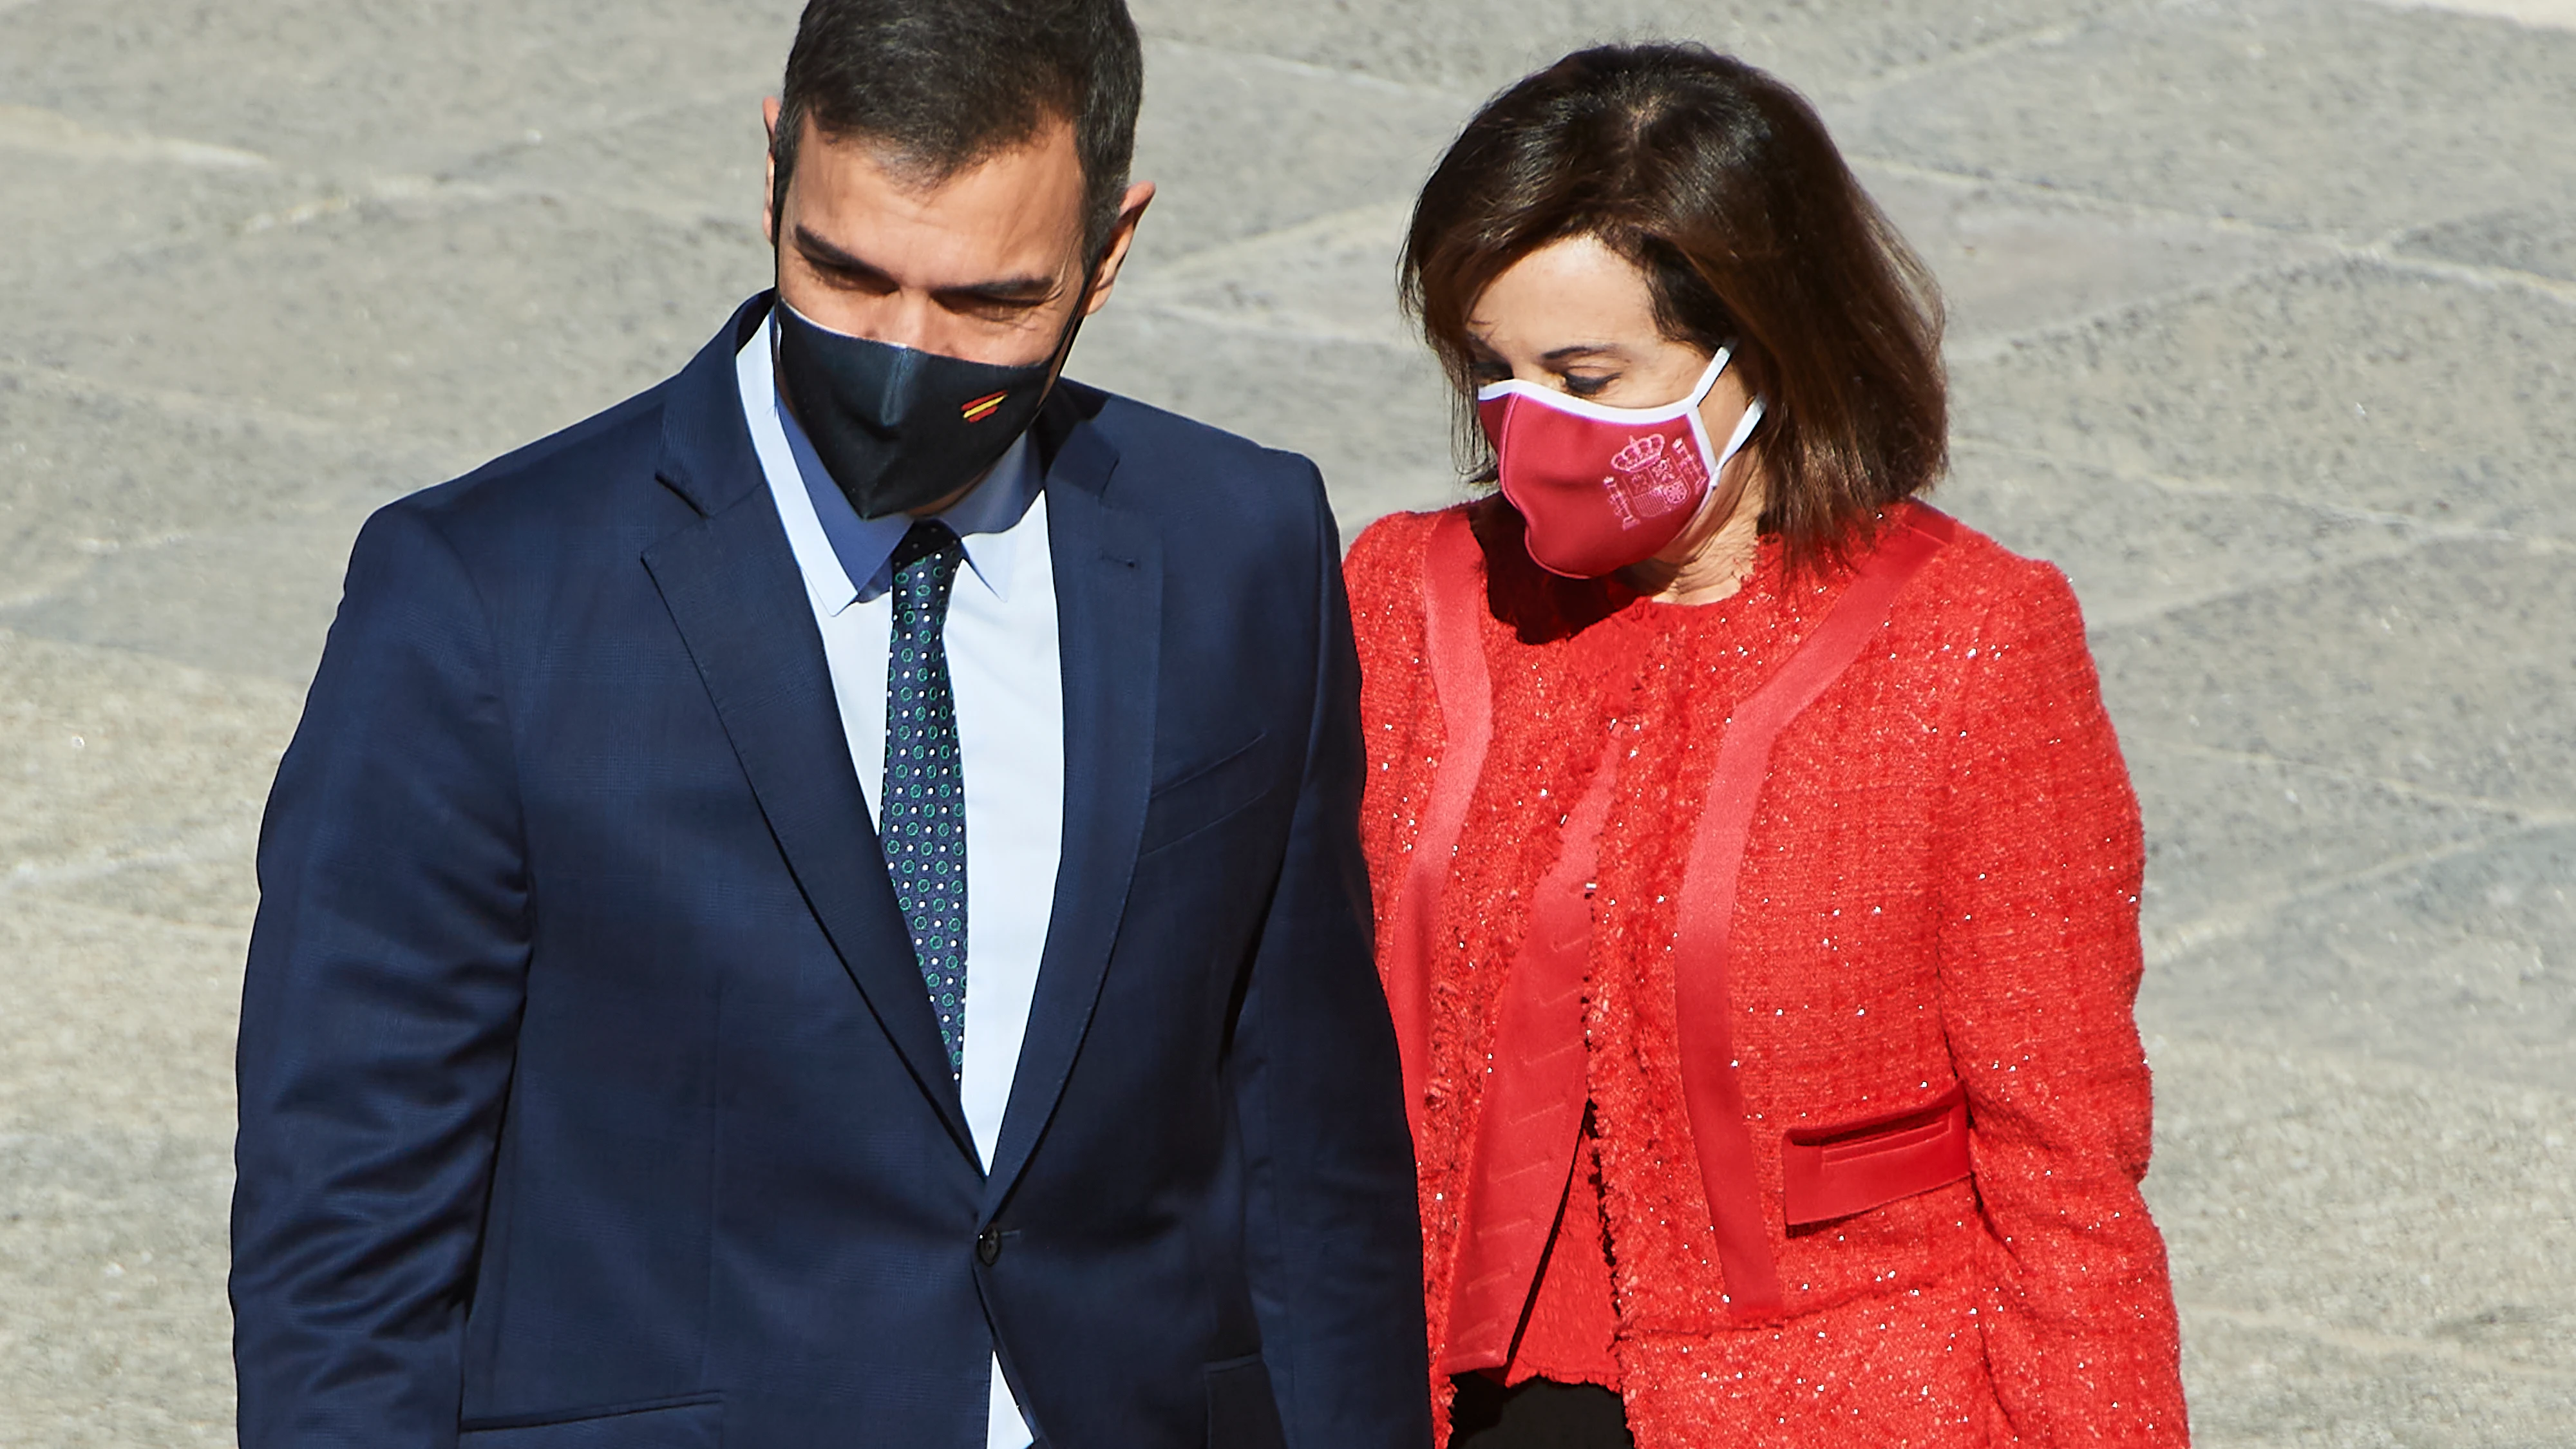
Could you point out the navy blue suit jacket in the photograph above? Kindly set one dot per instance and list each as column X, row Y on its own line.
column 590, row 1094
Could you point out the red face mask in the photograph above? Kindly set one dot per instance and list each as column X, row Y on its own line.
column 1601, row 487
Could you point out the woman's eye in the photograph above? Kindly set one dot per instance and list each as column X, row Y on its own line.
column 1487, row 374
column 1588, row 386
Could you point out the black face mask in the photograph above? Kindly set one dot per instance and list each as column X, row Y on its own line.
column 900, row 429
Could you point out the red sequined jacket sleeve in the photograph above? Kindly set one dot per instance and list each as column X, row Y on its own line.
column 2039, row 857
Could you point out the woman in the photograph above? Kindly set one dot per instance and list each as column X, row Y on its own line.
column 1757, row 870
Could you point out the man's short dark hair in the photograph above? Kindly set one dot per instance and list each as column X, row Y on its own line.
column 944, row 84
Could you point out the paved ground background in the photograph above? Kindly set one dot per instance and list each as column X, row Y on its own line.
column 2264, row 326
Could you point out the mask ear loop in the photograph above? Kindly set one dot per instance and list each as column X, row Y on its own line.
column 1716, row 458
column 1073, row 324
column 1708, row 379
column 1743, row 434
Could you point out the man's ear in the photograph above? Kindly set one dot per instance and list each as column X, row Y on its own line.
column 1131, row 210
column 769, row 173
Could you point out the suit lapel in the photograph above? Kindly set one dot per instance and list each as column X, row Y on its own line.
column 1109, row 591
column 733, row 589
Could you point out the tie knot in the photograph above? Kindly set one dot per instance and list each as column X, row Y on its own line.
column 929, row 539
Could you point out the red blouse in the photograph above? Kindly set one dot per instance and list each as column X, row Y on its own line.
column 1939, row 886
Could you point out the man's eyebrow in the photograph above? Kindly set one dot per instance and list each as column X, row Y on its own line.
column 1006, row 291
column 824, row 254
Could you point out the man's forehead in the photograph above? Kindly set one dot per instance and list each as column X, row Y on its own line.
column 1015, row 206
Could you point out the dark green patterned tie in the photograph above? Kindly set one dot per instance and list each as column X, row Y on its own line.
column 923, row 823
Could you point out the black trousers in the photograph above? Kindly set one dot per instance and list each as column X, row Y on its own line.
column 1539, row 1414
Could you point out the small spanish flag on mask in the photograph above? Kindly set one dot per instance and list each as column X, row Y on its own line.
column 982, row 407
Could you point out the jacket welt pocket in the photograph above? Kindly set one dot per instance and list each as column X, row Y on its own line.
column 1207, row 794
column 1242, row 1414
column 694, row 1422
column 1838, row 1169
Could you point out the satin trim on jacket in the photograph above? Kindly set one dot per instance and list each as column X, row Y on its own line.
column 1533, row 1113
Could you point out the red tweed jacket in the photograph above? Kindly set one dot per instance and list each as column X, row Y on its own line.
column 1940, row 885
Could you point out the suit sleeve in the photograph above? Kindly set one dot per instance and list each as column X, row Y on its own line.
column 379, row 1014
column 2040, row 866
column 1335, row 1242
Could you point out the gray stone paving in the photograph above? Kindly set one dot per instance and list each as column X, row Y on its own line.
column 2264, row 326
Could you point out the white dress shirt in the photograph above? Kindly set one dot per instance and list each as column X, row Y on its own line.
column 1008, row 682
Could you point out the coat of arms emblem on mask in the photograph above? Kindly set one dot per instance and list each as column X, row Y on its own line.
column 1652, row 479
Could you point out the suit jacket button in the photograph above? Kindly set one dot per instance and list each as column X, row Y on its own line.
column 988, row 1245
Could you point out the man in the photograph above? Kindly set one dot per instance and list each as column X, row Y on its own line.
column 822, row 906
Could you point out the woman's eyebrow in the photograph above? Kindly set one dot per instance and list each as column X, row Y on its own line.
column 1581, row 351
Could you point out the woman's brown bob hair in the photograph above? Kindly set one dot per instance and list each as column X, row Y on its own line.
column 1720, row 183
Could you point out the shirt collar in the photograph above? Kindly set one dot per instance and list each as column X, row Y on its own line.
column 986, row 520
